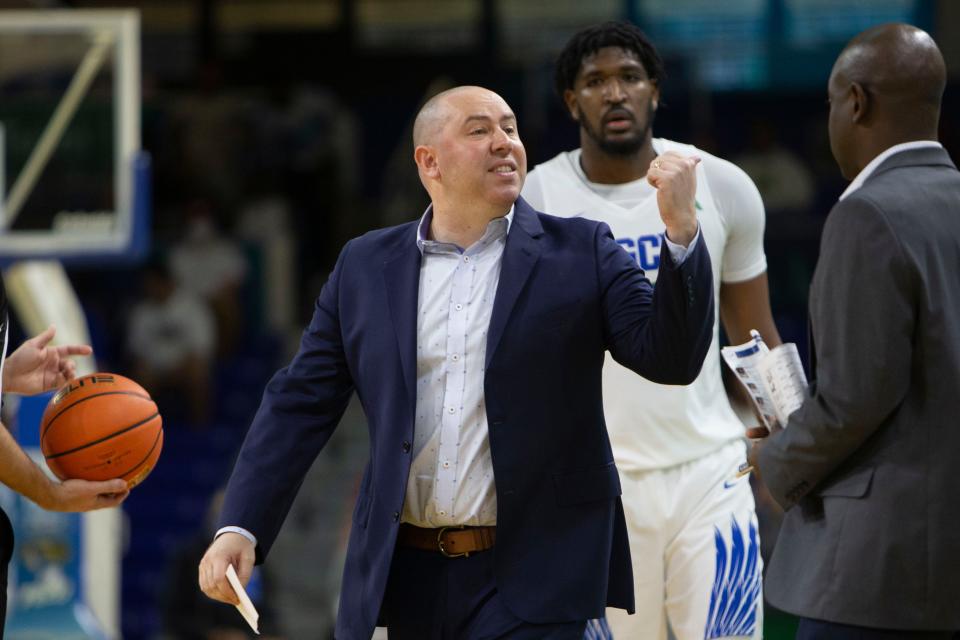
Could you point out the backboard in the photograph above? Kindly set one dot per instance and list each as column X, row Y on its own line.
column 74, row 183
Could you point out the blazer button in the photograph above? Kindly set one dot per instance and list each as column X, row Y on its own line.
column 406, row 447
column 396, row 516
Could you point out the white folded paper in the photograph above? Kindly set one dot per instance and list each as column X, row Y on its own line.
column 773, row 377
column 246, row 608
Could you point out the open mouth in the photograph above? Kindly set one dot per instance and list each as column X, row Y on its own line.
column 504, row 169
column 618, row 120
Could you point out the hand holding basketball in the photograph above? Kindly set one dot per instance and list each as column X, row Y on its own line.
column 99, row 427
column 37, row 366
column 84, row 495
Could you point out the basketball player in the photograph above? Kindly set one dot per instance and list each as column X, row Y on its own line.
column 691, row 518
column 35, row 367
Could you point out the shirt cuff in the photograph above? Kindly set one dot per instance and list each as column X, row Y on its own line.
column 246, row 534
column 678, row 252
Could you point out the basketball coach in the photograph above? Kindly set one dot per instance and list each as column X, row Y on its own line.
column 475, row 339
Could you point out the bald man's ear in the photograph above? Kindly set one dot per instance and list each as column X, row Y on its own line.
column 426, row 159
column 570, row 99
column 861, row 103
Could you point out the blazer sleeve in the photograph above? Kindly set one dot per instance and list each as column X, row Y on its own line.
column 301, row 406
column 862, row 319
column 663, row 332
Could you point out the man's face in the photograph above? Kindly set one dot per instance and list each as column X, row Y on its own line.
column 614, row 100
column 840, row 122
column 479, row 153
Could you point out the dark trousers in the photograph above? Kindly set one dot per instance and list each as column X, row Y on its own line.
column 810, row 629
column 6, row 552
column 431, row 597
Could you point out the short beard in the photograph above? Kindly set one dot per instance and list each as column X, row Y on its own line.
column 625, row 147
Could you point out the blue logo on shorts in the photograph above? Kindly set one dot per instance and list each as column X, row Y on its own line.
column 597, row 630
column 736, row 585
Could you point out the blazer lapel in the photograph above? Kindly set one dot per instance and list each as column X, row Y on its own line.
column 519, row 257
column 402, row 277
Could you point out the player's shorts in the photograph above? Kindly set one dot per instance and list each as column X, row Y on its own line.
column 695, row 549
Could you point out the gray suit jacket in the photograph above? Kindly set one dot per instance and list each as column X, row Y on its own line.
column 869, row 467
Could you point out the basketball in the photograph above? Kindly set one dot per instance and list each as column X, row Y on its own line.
column 100, row 427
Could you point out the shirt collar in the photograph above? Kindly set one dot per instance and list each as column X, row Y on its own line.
column 424, row 227
column 873, row 164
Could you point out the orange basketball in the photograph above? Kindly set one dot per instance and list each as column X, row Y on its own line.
column 99, row 427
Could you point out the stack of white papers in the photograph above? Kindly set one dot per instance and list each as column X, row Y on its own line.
column 774, row 378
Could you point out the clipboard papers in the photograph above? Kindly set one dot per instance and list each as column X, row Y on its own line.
column 246, row 608
column 773, row 377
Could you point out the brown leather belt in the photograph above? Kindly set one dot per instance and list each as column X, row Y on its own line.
column 453, row 542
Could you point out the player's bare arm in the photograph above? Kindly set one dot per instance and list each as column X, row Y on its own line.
column 745, row 306
column 21, row 474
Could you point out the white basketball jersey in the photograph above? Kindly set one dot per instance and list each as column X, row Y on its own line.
column 653, row 426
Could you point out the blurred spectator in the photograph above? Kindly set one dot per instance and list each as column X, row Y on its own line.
column 306, row 595
column 189, row 615
column 209, row 135
column 213, row 267
column 264, row 223
column 784, row 182
column 170, row 338
column 403, row 198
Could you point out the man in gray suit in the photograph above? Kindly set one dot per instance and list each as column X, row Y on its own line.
column 868, row 468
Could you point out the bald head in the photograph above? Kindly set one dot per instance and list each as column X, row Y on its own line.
column 901, row 67
column 469, row 155
column 437, row 111
column 885, row 89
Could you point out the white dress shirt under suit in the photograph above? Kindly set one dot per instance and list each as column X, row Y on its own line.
column 451, row 478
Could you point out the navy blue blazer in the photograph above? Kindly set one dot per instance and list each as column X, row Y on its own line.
column 567, row 293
